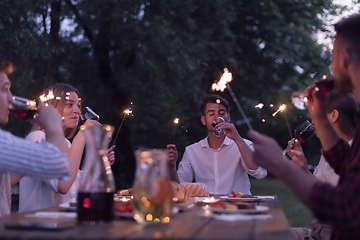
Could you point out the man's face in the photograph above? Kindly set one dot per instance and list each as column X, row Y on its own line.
column 5, row 98
column 343, row 82
column 212, row 111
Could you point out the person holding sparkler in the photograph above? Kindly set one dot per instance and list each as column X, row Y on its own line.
column 222, row 162
column 338, row 205
column 341, row 111
column 36, row 194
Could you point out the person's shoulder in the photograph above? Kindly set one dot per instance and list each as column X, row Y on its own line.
column 197, row 144
column 247, row 141
column 36, row 136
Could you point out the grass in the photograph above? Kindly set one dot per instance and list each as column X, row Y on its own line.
column 296, row 212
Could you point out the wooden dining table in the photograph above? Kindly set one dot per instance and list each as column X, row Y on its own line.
column 188, row 224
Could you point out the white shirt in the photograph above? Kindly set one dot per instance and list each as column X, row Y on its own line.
column 325, row 173
column 221, row 170
column 19, row 156
column 36, row 194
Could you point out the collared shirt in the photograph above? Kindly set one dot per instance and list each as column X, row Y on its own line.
column 340, row 205
column 19, row 156
column 221, row 170
column 36, row 194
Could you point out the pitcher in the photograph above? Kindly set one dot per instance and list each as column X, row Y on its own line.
column 95, row 201
column 152, row 191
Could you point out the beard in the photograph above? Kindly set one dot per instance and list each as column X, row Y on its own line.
column 343, row 84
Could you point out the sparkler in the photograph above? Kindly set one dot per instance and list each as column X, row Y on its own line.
column 46, row 98
column 281, row 109
column 222, row 84
column 126, row 112
column 176, row 121
column 260, row 105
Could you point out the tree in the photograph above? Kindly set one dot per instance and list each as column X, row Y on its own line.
column 163, row 56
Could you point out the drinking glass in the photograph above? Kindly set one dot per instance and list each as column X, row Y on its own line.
column 218, row 131
column 324, row 82
column 303, row 132
column 88, row 113
column 152, row 192
column 23, row 108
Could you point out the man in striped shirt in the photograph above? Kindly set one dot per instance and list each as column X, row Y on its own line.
column 47, row 160
column 338, row 205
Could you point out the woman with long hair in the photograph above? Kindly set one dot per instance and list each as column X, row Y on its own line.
column 35, row 193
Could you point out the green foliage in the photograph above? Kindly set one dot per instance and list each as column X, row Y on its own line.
column 164, row 56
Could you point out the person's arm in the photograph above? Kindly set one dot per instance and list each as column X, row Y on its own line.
column 50, row 121
column 172, row 158
column 268, row 154
column 43, row 160
column 246, row 152
column 185, row 171
column 75, row 153
column 15, row 178
column 317, row 104
column 296, row 153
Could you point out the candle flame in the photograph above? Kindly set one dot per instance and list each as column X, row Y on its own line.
column 281, row 109
column 221, row 84
column 260, row 105
column 176, row 120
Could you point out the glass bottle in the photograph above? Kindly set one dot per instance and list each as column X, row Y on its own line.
column 95, row 200
column 152, row 191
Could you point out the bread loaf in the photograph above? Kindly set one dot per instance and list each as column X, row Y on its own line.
column 196, row 189
column 180, row 192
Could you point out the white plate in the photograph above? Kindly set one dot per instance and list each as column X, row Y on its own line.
column 124, row 214
column 67, row 205
column 258, row 209
column 248, row 199
column 244, row 199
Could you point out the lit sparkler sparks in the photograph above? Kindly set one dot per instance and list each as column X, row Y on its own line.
column 281, row 109
column 126, row 112
column 259, row 106
column 46, row 98
column 222, row 84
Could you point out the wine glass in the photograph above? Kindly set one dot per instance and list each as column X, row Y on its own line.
column 218, row 131
column 303, row 132
column 23, row 108
column 88, row 113
column 324, row 82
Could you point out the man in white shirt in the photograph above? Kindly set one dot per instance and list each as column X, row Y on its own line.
column 221, row 163
column 47, row 160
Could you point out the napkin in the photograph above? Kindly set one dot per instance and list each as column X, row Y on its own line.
column 237, row 217
column 52, row 215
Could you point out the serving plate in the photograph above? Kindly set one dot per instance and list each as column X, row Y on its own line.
column 257, row 209
column 247, row 199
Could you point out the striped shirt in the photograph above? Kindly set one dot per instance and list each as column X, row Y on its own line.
column 22, row 157
column 44, row 160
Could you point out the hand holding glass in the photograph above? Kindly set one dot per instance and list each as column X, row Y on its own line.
column 324, row 82
column 23, row 108
column 218, row 131
column 303, row 132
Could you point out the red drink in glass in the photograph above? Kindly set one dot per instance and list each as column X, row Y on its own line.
column 95, row 207
column 325, row 85
column 23, row 114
